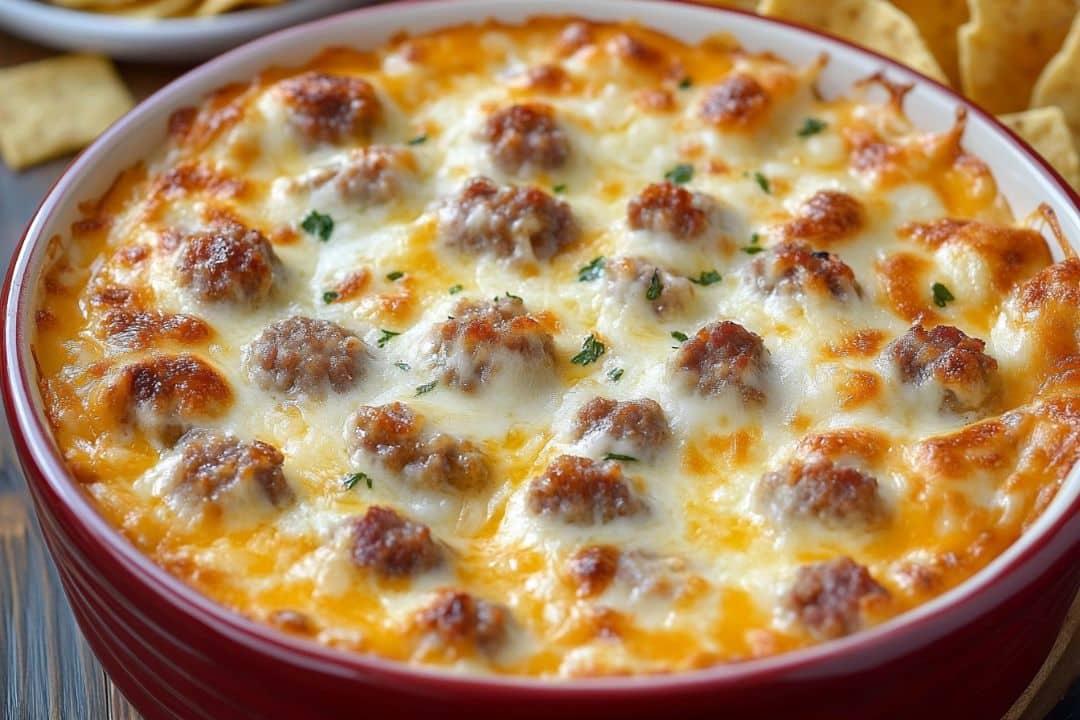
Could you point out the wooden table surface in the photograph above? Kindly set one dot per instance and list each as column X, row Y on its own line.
column 49, row 672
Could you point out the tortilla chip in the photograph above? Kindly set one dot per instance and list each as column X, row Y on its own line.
column 1005, row 45
column 1059, row 83
column 1046, row 131
column 216, row 7
column 152, row 8
column 938, row 21
column 873, row 23
column 52, row 107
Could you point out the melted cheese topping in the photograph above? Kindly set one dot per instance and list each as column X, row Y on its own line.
column 705, row 572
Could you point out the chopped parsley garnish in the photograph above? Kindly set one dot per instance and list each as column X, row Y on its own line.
column 355, row 479
column 455, row 289
column 942, row 296
column 753, row 249
column 395, row 276
column 763, row 182
column 385, row 337
column 754, row 238
column 680, row 174
column 655, row 286
column 592, row 270
column 622, row 458
column 685, row 83
column 418, row 140
column 329, row 296
column 707, row 277
column 591, row 350
column 680, row 336
column 559, row 189
column 318, row 224
column 515, row 298
column 615, row 374
column 426, row 388
column 811, row 126
column 403, row 365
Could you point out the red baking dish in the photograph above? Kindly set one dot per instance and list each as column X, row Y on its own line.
column 176, row 654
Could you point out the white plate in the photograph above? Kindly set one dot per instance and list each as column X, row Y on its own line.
column 172, row 40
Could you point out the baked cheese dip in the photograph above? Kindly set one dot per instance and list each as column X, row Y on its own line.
column 564, row 349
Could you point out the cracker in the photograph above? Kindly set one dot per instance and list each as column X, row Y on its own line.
column 1059, row 83
column 1005, row 45
column 1046, row 131
column 938, row 21
column 55, row 106
column 873, row 23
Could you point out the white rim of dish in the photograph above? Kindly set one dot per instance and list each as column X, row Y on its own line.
column 1010, row 571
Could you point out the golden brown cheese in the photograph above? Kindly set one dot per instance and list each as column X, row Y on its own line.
column 565, row 349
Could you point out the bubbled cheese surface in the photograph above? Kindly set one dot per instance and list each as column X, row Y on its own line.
column 735, row 564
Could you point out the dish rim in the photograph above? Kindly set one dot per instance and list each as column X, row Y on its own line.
column 987, row 588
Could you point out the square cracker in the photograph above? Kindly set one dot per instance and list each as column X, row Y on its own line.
column 52, row 107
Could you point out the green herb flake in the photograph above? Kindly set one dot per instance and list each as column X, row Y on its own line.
column 426, row 388
column 753, row 249
column 706, row 278
column 403, row 365
column 591, row 350
column 680, row 336
column 763, row 182
column 811, row 126
column 318, row 224
column 615, row 374
column 559, row 189
column 686, row 83
column 418, row 140
column 942, row 296
column 591, row 271
column 355, row 479
column 455, row 289
column 385, row 337
column 395, row 276
column 755, row 238
column 680, row 174
column 621, row 458
column 655, row 286
column 515, row 298
column 329, row 296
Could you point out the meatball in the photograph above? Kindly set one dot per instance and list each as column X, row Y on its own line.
column 391, row 545
column 391, row 434
column 592, row 568
column 792, row 268
column 580, row 491
column 369, row 176
column 211, row 464
column 664, row 292
column 820, row 490
column 303, row 356
column 511, row 223
column 829, row 598
column 227, row 263
column 722, row 356
column 638, row 425
column 828, row 215
column 525, row 137
column 165, row 393
column 946, row 356
column 670, row 209
column 330, row 108
column 462, row 622
column 482, row 339
column 737, row 102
